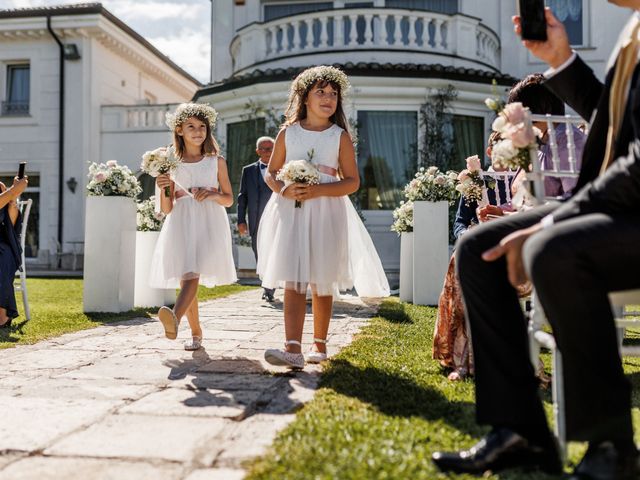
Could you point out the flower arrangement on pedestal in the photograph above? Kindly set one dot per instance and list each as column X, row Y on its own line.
column 111, row 179
column 403, row 218
column 147, row 218
column 432, row 185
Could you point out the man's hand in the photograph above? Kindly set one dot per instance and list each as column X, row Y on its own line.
column 487, row 212
column 511, row 248
column 242, row 228
column 557, row 49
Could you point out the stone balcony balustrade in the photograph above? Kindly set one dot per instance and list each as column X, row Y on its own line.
column 383, row 31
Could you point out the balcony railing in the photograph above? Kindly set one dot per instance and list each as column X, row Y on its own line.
column 13, row 108
column 135, row 117
column 366, row 29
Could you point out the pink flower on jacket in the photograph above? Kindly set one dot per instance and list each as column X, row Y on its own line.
column 473, row 164
column 515, row 112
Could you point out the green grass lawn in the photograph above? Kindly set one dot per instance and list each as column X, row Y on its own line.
column 384, row 406
column 56, row 308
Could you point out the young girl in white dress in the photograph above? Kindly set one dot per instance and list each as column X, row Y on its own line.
column 323, row 244
column 195, row 242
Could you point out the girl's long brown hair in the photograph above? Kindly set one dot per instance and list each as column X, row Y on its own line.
column 209, row 146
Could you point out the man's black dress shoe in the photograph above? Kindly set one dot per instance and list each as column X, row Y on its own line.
column 605, row 462
column 499, row 450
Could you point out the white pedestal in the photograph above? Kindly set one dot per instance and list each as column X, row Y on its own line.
column 406, row 266
column 109, row 260
column 145, row 296
column 431, row 248
column 246, row 258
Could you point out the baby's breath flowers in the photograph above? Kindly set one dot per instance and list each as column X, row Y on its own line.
column 326, row 73
column 188, row 110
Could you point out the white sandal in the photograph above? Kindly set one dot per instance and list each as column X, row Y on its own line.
column 316, row 357
column 194, row 344
column 282, row 358
column 169, row 322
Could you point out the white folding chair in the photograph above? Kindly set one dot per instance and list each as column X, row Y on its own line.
column 538, row 336
column 20, row 284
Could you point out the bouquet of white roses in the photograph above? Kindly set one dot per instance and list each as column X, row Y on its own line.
column 147, row 218
column 471, row 184
column 111, row 179
column 299, row 171
column 432, row 185
column 160, row 161
column 518, row 137
column 403, row 218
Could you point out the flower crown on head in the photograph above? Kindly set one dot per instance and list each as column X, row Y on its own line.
column 188, row 110
column 322, row 72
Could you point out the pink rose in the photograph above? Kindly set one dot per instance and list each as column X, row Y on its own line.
column 521, row 135
column 100, row 177
column 463, row 175
column 473, row 164
column 515, row 112
column 112, row 163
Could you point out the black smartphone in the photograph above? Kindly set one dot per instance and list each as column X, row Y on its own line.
column 21, row 168
column 532, row 20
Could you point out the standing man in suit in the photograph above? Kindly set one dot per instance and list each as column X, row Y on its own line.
column 574, row 252
column 253, row 197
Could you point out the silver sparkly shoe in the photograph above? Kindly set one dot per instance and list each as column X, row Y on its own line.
column 282, row 358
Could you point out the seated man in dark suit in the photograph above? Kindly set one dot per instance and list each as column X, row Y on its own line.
column 253, row 197
column 591, row 241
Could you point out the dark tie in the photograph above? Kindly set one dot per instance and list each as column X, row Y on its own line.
column 263, row 166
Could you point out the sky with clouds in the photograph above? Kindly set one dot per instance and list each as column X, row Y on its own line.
column 178, row 28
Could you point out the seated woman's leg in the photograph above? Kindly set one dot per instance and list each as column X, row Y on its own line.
column 506, row 388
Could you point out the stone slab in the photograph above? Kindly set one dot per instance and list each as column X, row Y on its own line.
column 34, row 423
column 216, row 474
column 145, row 437
column 51, row 468
column 235, row 405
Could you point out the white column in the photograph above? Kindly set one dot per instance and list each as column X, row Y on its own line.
column 431, row 240
column 109, row 254
column 406, row 267
column 145, row 296
column 397, row 33
column 412, row 30
column 368, row 31
column 353, row 33
column 324, row 37
column 338, row 31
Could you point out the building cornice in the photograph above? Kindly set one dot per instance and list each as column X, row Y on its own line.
column 93, row 20
column 404, row 70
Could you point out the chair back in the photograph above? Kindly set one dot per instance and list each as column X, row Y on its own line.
column 540, row 171
column 25, row 209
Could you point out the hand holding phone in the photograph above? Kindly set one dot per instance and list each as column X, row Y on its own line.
column 21, row 168
column 532, row 20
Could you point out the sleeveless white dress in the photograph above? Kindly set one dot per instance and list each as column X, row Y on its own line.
column 195, row 237
column 323, row 243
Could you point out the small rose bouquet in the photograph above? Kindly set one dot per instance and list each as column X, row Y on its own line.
column 403, row 218
column 470, row 181
column 518, row 134
column 111, row 179
column 432, row 185
column 147, row 218
column 160, row 161
column 299, row 171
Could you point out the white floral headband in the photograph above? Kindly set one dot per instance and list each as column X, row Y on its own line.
column 188, row 110
column 325, row 73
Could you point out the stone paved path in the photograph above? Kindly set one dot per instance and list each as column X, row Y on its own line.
column 122, row 402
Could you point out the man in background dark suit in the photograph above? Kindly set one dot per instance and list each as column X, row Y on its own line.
column 254, row 195
column 574, row 252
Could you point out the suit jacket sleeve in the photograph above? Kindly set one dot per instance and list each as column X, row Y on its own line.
column 465, row 215
column 617, row 191
column 242, row 197
column 577, row 86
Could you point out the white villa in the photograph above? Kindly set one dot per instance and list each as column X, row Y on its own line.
column 117, row 88
column 102, row 65
column 397, row 53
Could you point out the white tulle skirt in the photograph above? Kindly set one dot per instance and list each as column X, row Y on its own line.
column 195, row 240
column 323, row 244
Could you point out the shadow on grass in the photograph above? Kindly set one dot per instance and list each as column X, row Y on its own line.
column 394, row 312
column 143, row 314
column 397, row 396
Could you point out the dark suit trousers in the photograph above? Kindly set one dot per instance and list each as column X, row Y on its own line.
column 573, row 265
